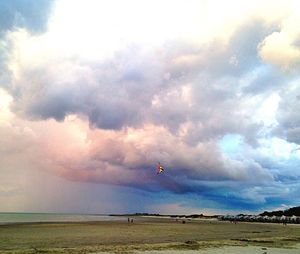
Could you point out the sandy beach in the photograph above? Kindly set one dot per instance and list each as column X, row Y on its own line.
column 144, row 234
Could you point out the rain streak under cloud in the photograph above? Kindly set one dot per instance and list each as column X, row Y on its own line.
column 94, row 93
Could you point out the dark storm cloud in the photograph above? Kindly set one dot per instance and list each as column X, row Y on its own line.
column 123, row 88
column 137, row 87
column 117, row 93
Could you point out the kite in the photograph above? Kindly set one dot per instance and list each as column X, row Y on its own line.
column 159, row 168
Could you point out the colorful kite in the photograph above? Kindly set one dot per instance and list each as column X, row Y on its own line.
column 159, row 168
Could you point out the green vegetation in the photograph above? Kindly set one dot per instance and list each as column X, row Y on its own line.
column 289, row 212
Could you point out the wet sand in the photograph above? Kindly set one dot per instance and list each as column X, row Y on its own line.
column 231, row 250
column 145, row 234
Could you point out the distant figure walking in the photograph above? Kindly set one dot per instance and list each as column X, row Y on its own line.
column 128, row 220
column 131, row 220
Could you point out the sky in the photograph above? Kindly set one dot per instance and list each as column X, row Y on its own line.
column 94, row 93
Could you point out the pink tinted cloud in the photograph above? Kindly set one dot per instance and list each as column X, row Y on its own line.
column 128, row 157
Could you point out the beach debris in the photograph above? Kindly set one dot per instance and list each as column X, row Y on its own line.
column 159, row 169
column 191, row 242
column 36, row 250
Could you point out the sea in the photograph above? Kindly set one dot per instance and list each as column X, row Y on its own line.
column 9, row 218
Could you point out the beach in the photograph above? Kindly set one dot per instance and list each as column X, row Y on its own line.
column 145, row 235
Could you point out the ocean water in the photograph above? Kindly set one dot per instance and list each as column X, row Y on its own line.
column 7, row 218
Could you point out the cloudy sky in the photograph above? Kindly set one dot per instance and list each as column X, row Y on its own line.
column 93, row 93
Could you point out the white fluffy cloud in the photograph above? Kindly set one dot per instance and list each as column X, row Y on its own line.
column 281, row 47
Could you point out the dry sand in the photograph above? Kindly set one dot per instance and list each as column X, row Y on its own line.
column 144, row 235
